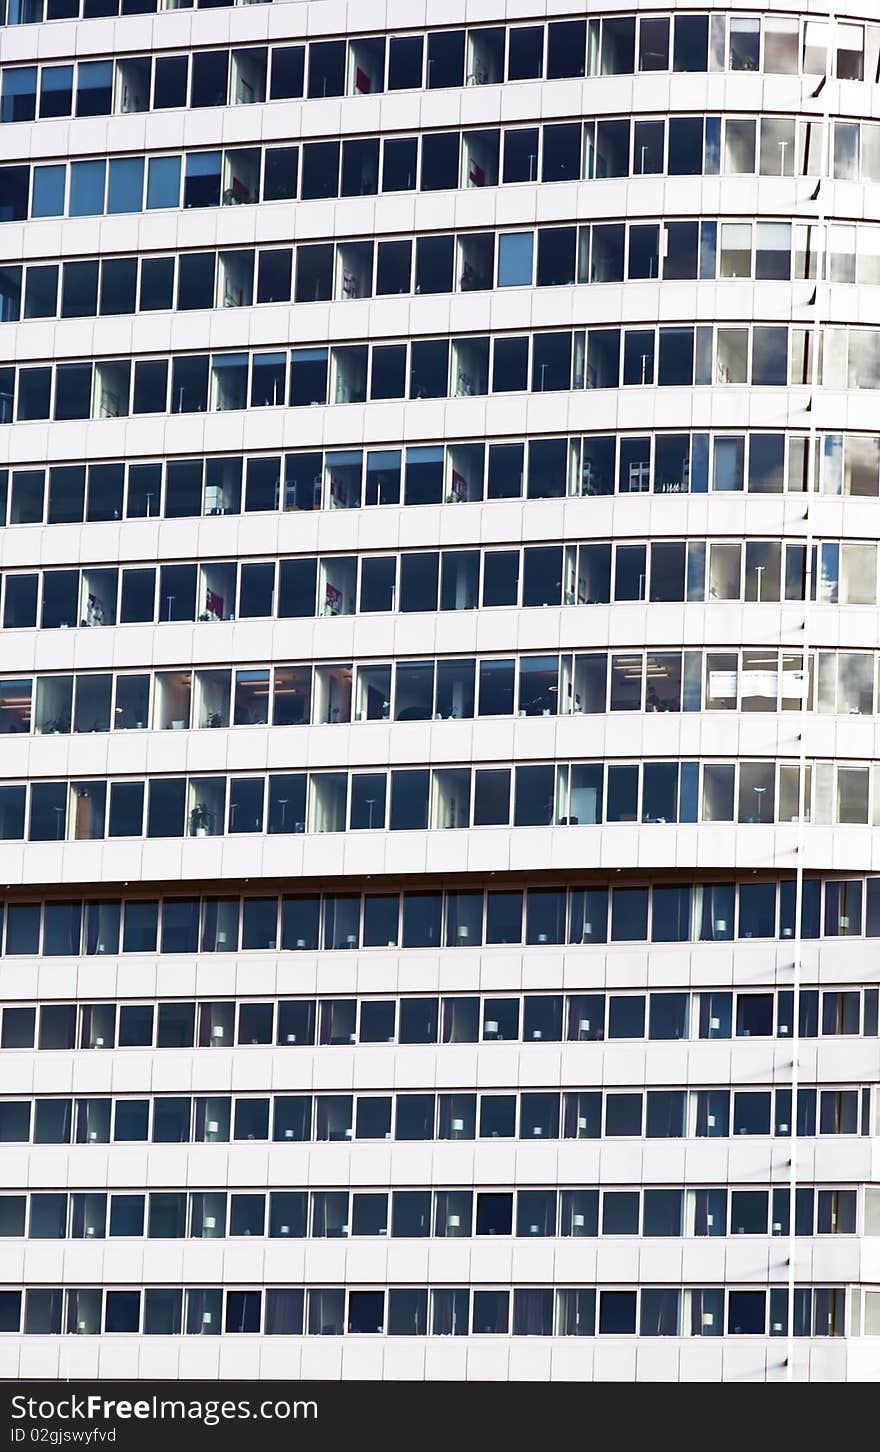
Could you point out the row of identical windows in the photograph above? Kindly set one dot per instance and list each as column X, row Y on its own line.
column 418, row 1214
column 450, row 1019
column 761, row 571
column 367, row 65
column 698, row 912
column 417, row 1117
column 760, row 355
column 605, row 252
column 585, row 465
column 837, row 682
column 594, row 149
column 420, row 799
column 447, row 1311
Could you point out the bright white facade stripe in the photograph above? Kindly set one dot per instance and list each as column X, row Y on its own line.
column 419, row 431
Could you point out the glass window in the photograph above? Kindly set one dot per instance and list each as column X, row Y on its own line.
column 421, row 919
column 545, row 917
column 515, row 259
column 61, row 929
column 620, row 1212
column 566, row 41
column 87, row 180
column 288, row 68
column 491, row 1312
column 464, row 919
column 629, row 914
column 746, row 1313
column 623, row 1115
column 125, row 191
column 180, row 926
column 626, row 1016
column 18, row 1030
column 48, row 192
column 281, row 174
column 163, row 182
column 617, row 1313
column 579, row 1213
column 19, row 97
column 201, row 187
column 43, row 1311
column 588, row 916
column 662, row 1213
column 242, row 1311
column 283, row 1311
column 668, row 1015
column 94, row 87
column 169, row 89
column 48, row 1217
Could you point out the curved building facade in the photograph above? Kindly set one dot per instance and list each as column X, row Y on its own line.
column 387, row 990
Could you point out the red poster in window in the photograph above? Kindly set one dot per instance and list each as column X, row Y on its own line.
column 476, row 175
column 214, row 604
column 362, row 81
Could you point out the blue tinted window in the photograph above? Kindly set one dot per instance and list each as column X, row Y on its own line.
column 126, row 189
column 56, row 91
column 202, row 184
column 163, row 182
column 757, row 910
column 87, row 188
column 19, row 99
column 94, row 88
column 48, row 198
column 23, row 928
column 515, row 259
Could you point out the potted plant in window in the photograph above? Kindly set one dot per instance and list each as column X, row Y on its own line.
column 201, row 821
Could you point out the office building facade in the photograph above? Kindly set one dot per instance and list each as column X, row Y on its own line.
column 438, row 806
